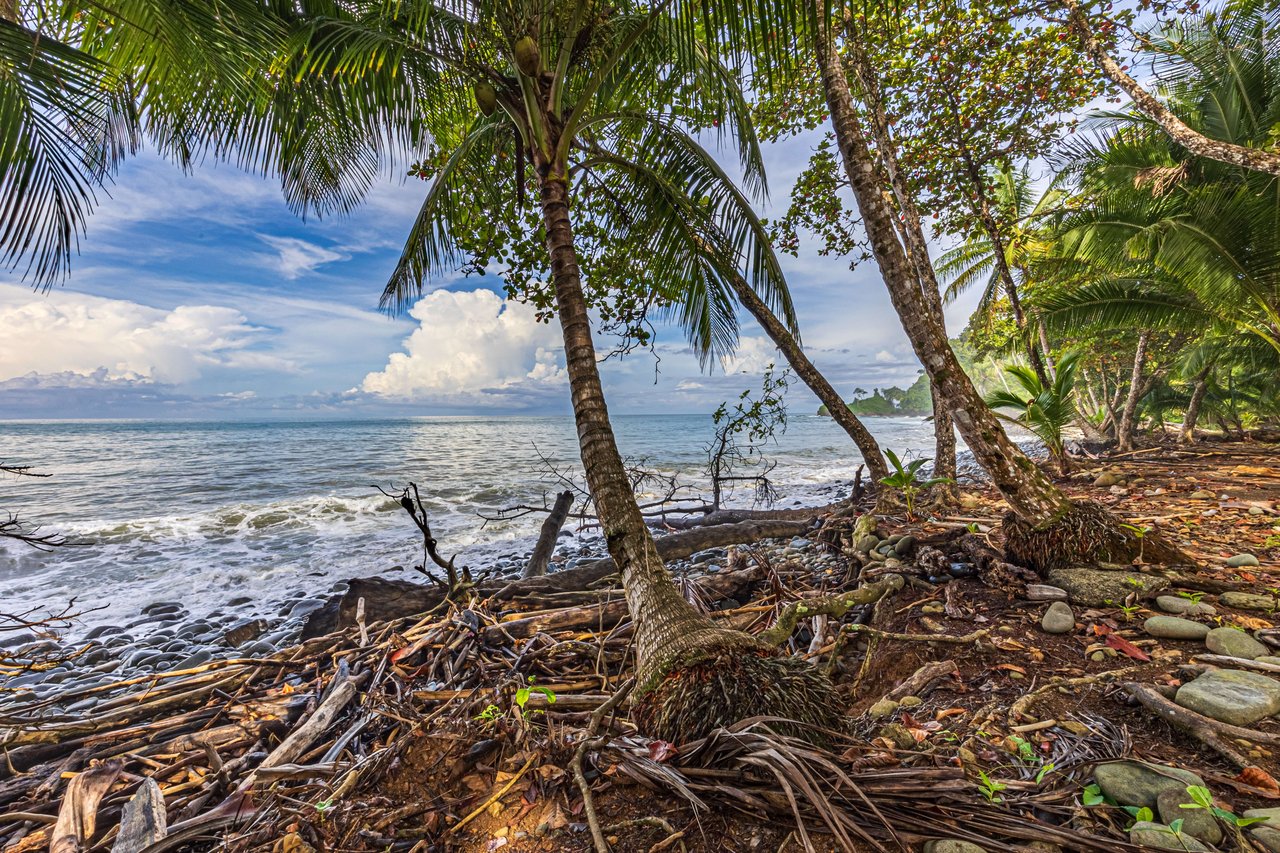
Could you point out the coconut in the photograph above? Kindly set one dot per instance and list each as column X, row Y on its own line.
column 528, row 58
column 486, row 98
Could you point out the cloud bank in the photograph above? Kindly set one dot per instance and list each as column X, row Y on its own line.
column 473, row 348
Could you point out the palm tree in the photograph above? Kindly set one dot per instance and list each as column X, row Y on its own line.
column 1172, row 242
column 1045, row 410
column 1025, row 242
column 569, row 92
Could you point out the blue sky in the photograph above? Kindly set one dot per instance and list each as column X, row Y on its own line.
column 201, row 296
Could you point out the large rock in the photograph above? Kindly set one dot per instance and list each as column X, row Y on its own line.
column 1247, row 601
column 1240, row 561
column 1137, row 783
column 1174, row 628
column 1102, row 588
column 1157, row 836
column 1197, row 823
column 1234, row 643
column 1231, row 696
column 1058, row 619
column 1184, row 606
column 1267, row 833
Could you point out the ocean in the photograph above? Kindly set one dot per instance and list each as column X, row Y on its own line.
column 204, row 513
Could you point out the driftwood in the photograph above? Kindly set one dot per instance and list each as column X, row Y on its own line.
column 386, row 600
column 144, row 821
column 550, row 533
column 79, row 813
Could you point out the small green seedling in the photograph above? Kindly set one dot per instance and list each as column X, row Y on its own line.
column 1193, row 597
column 523, row 695
column 1092, row 795
column 906, row 479
column 1044, row 771
column 990, row 788
column 1202, row 798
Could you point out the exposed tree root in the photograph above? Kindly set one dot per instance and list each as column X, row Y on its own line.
column 1208, row 732
column 732, row 681
column 589, row 742
column 832, row 605
column 1085, row 534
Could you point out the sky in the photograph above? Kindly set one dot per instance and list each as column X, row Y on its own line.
column 199, row 295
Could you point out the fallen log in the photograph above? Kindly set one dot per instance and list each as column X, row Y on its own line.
column 386, row 600
column 537, row 566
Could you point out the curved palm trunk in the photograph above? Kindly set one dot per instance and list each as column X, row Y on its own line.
column 1128, row 426
column 1188, row 435
column 812, row 377
column 692, row 676
column 1045, row 529
column 913, row 238
column 1197, row 143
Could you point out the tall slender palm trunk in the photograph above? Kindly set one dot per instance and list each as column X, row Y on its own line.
column 692, row 675
column 1198, row 391
column 1044, row 529
column 1127, row 428
column 812, row 377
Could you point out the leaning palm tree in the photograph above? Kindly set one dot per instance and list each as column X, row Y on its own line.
column 558, row 95
column 1044, row 409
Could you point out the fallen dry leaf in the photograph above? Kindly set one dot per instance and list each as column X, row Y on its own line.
column 1125, row 647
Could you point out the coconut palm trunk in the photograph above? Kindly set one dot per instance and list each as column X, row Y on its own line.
column 691, row 674
column 1044, row 529
column 812, row 377
column 1127, row 428
column 1201, row 387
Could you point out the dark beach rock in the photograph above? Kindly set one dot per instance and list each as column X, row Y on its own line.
column 1235, row 643
column 103, row 631
column 200, row 658
column 240, row 601
column 305, row 606
column 1137, row 783
column 1231, row 696
column 159, row 608
column 1175, row 628
column 1102, row 588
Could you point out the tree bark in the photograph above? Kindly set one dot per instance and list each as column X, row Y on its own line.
column 812, row 377
column 9, row 10
column 1128, row 425
column 1188, row 434
column 667, row 626
column 1030, row 493
column 917, row 248
column 1197, row 143
column 1044, row 346
column 547, row 537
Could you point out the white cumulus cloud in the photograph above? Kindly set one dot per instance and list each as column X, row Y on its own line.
column 114, row 339
column 472, row 347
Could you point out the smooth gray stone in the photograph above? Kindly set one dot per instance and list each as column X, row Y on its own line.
column 1157, row 836
column 1240, row 561
column 1044, row 592
column 1247, row 601
column 1137, row 783
column 952, row 845
column 305, row 606
column 1231, row 696
column 1058, row 619
column 1184, row 606
column 102, row 631
column 1092, row 587
column 1234, row 643
column 1197, row 823
column 1175, row 628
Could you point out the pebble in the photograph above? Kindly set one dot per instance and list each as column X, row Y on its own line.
column 1202, row 495
column 1137, row 783
column 1157, row 836
column 1240, row 561
column 1247, row 601
column 866, row 543
column 1234, row 643
column 905, row 546
column 934, row 608
column 1058, row 619
column 1257, row 510
column 883, row 708
column 910, row 701
column 1108, row 478
column 1184, row 606
column 1175, row 628
column 1231, row 696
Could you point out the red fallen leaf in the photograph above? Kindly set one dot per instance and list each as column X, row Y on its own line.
column 949, row 712
column 1101, row 629
column 660, row 750
column 1248, row 576
column 1011, row 667
column 400, row 653
column 1125, row 647
column 1256, row 777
